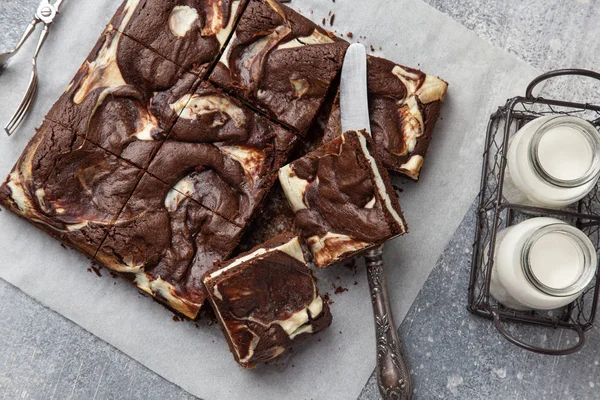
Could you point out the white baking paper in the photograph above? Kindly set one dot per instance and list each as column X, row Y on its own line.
column 337, row 363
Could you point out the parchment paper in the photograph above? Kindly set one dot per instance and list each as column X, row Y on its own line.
column 337, row 363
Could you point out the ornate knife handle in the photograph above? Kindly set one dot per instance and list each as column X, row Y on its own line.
column 393, row 374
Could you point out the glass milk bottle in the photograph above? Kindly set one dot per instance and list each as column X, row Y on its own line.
column 552, row 162
column 542, row 263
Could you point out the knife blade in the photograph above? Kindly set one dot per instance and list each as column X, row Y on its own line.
column 393, row 374
column 354, row 101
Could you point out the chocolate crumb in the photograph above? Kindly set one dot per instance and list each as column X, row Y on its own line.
column 340, row 332
column 331, row 20
column 177, row 318
column 323, row 22
column 196, row 325
column 372, row 48
column 350, row 35
column 89, row 270
column 96, row 270
column 355, row 283
column 340, row 290
column 63, row 246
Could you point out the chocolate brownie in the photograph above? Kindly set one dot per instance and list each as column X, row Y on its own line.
column 125, row 98
column 280, row 62
column 165, row 242
column 222, row 154
column 191, row 33
column 404, row 105
column 343, row 199
column 266, row 300
column 274, row 218
column 68, row 187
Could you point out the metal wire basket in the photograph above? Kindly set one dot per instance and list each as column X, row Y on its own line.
column 494, row 213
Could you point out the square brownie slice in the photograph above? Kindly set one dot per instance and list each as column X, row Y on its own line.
column 68, row 187
column 343, row 199
column 190, row 33
column 164, row 242
column 222, row 154
column 404, row 105
column 266, row 300
column 280, row 62
column 125, row 98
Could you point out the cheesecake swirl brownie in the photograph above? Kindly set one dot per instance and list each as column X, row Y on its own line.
column 343, row 199
column 125, row 98
column 222, row 154
column 266, row 300
column 190, row 33
column 164, row 242
column 280, row 62
column 404, row 105
column 68, row 187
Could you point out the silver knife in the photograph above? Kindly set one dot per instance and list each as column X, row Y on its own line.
column 393, row 374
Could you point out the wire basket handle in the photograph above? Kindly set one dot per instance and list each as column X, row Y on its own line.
column 558, row 72
column 541, row 350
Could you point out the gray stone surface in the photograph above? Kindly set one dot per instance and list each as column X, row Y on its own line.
column 453, row 354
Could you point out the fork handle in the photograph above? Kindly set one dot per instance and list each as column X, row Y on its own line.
column 393, row 375
column 40, row 42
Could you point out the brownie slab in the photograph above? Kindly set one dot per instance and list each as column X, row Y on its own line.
column 222, row 154
column 343, row 199
column 125, row 98
column 164, row 242
column 266, row 300
column 190, row 33
column 404, row 105
column 68, row 187
column 280, row 62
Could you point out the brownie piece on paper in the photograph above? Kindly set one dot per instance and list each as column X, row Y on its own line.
column 164, row 242
column 68, row 187
column 125, row 98
column 266, row 300
column 222, row 154
column 404, row 105
column 190, row 33
column 280, row 62
column 343, row 199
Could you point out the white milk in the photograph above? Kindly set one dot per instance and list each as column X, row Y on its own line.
column 552, row 162
column 541, row 263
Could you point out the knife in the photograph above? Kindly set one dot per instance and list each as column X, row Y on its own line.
column 393, row 375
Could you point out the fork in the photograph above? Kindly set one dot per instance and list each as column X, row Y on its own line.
column 45, row 13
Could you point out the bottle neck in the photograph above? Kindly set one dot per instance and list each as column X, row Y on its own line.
column 576, row 126
column 568, row 273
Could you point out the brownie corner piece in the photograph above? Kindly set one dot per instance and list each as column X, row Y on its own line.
column 342, row 197
column 164, row 242
column 404, row 106
column 266, row 300
column 190, row 33
column 68, row 187
column 280, row 62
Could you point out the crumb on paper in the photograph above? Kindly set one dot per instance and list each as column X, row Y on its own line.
column 331, row 19
column 350, row 35
column 340, row 290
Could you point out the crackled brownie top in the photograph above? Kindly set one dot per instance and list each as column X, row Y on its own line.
column 342, row 198
column 222, row 154
column 404, row 105
column 166, row 242
column 266, row 300
column 191, row 33
column 124, row 98
column 68, row 186
column 281, row 62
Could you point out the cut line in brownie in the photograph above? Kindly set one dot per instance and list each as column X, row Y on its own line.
column 404, row 105
column 266, row 300
column 125, row 98
column 163, row 242
column 222, row 154
column 342, row 198
column 280, row 62
column 69, row 187
column 190, row 33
